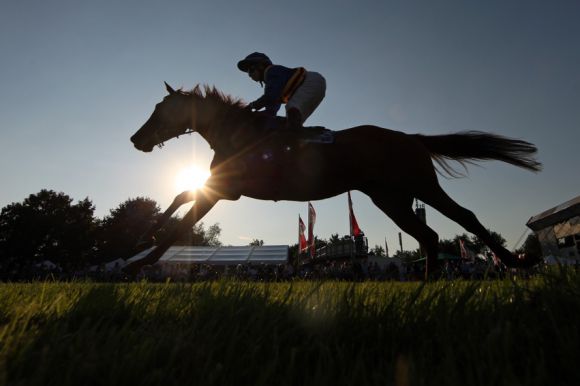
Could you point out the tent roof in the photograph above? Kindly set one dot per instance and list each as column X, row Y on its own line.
column 555, row 215
column 267, row 254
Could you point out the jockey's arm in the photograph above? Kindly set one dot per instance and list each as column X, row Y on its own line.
column 275, row 82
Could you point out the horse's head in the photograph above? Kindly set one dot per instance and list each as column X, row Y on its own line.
column 172, row 117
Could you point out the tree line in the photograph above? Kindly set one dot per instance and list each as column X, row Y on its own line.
column 49, row 226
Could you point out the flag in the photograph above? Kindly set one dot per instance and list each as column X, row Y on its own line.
column 462, row 249
column 465, row 252
column 311, row 221
column 302, row 244
column 354, row 229
column 496, row 260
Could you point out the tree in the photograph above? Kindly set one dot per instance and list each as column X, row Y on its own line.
column 472, row 243
column 450, row 246
column 319, row 243
column 293, row 252
column 478, row 246
column 334, row 239
column 408, row 256
column 199, row 236
column 122, row 228
column 378, row 251
column 212, row 235
column 532, row 246
column 257, row 243
column 47, row 226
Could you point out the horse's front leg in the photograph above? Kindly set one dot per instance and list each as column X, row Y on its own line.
column 147, row 239
column 204, row 201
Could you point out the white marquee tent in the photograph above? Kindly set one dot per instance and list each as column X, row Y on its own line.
column 266, row 254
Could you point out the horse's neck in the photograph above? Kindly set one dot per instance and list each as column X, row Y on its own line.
column 206, row 116
column 223, row 128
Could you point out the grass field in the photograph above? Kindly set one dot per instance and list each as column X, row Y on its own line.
column 511, row 332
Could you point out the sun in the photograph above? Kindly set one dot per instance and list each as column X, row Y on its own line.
column 190, row 178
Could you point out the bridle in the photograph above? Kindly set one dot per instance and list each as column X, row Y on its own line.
column 161, row 144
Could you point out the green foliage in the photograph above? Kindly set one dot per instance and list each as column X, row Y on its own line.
column 334, row 239
column 122, row 228
column 478, row 246
column 256, row 243
column 201, row 236
column 319, row 242
column 408, row 256
column 212, row 235
column 378, row 250
column 472, row 243
column 531, row 246
column 512, row 332
column 47, row 226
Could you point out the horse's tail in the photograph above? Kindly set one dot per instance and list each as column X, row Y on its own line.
column 471, row 146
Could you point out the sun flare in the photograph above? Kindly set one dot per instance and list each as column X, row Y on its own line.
column 190, row 178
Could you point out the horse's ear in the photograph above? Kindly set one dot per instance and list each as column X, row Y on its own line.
column 169, row 88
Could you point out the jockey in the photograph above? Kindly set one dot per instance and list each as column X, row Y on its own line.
column 301, row 90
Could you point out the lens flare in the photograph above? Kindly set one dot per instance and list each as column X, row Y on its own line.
column 190, row 178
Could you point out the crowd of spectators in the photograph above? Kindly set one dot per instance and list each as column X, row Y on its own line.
column 341, row 270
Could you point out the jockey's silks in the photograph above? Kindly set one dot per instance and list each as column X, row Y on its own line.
column 281, row 83
column 293, row 83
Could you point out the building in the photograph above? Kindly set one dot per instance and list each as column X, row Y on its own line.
column 558, row 229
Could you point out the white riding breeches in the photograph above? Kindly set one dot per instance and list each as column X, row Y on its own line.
column 309, row 95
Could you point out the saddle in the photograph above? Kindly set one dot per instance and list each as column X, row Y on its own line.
column 315, row 134
column 304, row 135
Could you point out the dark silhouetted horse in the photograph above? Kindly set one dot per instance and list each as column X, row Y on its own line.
column 391, row 167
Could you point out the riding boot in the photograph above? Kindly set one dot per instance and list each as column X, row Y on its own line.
column 293, row 119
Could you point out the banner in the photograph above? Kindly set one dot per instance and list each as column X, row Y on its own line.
column 354, row 229
column 302, row 244
column 311, row 221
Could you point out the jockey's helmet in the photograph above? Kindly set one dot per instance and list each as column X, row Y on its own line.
column 253, row 59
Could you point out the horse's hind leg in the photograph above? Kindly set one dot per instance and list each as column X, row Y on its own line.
column 438, row 199
column 399, row 209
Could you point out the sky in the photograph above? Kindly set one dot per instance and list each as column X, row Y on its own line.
column 78, row 78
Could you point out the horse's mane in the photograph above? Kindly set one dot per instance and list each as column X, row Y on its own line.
column 211, row 93
column 231, row 120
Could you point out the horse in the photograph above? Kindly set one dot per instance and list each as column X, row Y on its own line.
column 391, row 167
